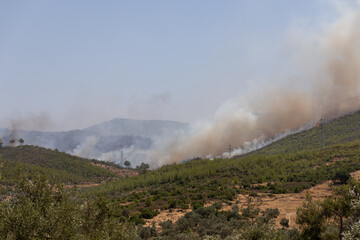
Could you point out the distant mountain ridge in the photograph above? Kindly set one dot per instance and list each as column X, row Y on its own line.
column 144, row 128
column 111, row 139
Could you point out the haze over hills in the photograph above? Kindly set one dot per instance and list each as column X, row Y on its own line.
column 121, row 139
column 144, row 128
column 280, row 170
column 288, row 166
column 114, row 140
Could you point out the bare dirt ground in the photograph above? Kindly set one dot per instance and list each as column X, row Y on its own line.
column 165, row 215
column 286, row 203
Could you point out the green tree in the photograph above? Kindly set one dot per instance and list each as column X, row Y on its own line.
column 284, row 222
column 341, row 176
column 127, row 163
column 143, row 167
column 41, row 210
column 338, row 209
column 21, row 141
column 343, row 205
column 251, row 210
column 12, row 142
column 353, row 230
column 311, row 219
column 1, row 142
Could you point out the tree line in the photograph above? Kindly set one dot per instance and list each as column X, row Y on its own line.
column 12, row 142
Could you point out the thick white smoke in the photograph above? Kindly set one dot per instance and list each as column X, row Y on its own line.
column 87, row 148
column 329, row 60
column 331, row 65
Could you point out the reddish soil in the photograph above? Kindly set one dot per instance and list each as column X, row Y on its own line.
column 165, row 215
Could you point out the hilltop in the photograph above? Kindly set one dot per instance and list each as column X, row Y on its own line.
column 103, row 141
column 144, row 128
column 55, row 165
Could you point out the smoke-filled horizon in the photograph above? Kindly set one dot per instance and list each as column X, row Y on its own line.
column 332, row 74
column 155, row 60
column 242, row 73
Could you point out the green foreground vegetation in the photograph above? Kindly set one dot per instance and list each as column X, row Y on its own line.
column 41, row 210
column 56, row 166
column 38, row 206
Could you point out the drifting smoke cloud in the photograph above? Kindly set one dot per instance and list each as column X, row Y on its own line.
column 32, row 121
column 334, row 75
column 87, row 148
column 330, row 64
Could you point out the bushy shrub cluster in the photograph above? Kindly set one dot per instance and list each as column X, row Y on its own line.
column 40, row 210
column 212, row 223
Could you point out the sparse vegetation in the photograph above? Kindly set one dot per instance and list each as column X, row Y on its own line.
column 41, row 210
column 199, row 181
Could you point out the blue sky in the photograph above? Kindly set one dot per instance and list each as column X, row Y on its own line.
column 83, row 62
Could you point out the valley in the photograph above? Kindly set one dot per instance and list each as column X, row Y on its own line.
column 273, row 182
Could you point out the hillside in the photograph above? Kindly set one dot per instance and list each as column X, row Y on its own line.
column 58, row 166
column 114, row 140
column 195, row 183
column 336, row 131
column 278, row 171
column 204, row 185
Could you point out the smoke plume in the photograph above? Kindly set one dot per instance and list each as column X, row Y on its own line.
column 32, row 121
column 331, row 62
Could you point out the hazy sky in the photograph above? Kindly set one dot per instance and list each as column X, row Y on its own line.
column 76, row 63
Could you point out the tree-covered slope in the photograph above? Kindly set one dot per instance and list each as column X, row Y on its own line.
column 56, row 165
column 340, row 130
column 197, row 182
